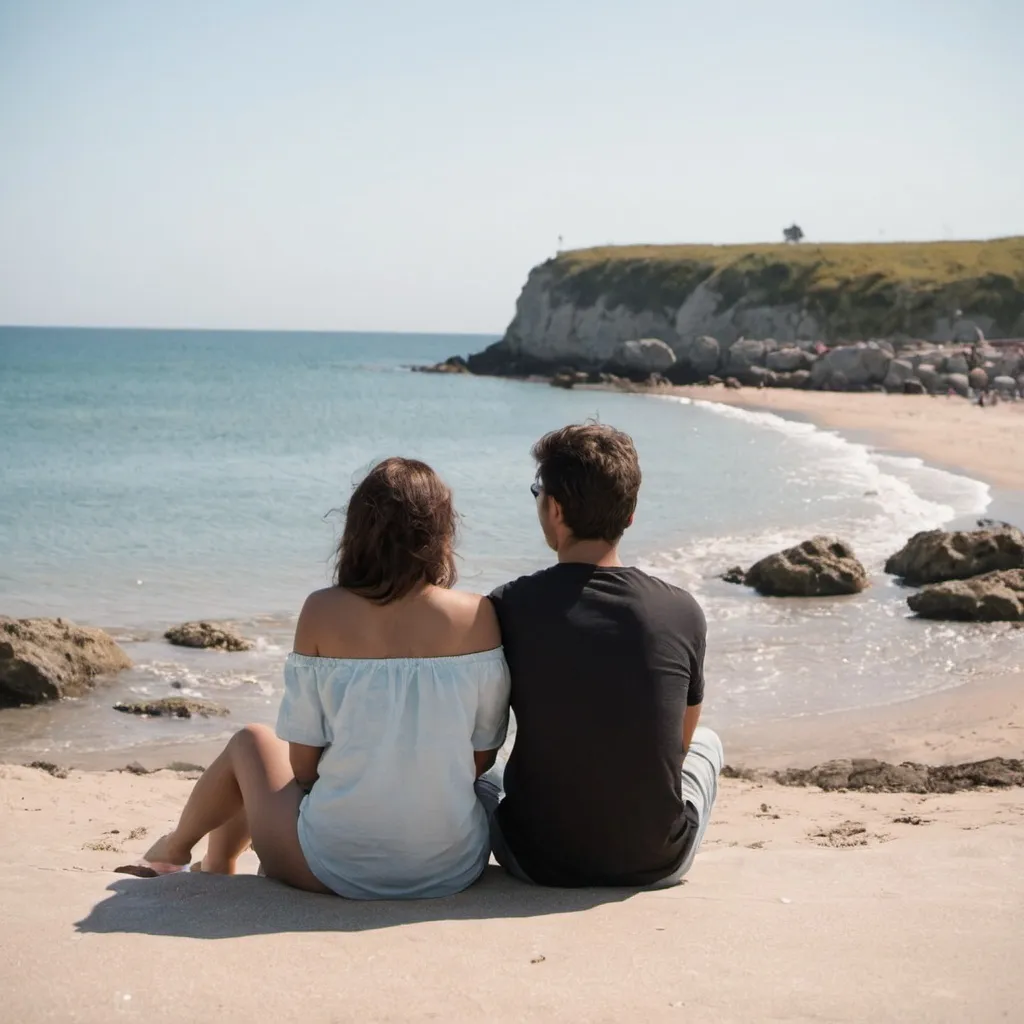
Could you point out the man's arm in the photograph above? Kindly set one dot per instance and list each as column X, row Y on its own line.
column 690, row 720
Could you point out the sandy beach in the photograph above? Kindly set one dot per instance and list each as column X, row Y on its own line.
column 802, row 906
column 952, row 433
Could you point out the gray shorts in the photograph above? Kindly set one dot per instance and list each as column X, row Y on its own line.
column 701, row 767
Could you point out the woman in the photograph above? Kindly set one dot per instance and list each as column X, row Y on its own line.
column 396, row 701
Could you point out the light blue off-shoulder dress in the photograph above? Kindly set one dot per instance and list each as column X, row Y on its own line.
column 393, row 814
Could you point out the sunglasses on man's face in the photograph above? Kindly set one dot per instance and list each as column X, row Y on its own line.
column 535, row 489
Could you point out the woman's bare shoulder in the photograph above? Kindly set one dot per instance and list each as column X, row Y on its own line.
column 474, row 614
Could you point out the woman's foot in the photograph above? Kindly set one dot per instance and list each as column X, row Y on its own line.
column 167, row 851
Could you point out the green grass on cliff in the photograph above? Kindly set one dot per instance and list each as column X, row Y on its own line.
column 859, row 289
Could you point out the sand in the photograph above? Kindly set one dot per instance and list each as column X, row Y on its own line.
column 802, row 905
column 985, row 443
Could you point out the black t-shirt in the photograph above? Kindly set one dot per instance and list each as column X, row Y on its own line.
column 604, row 662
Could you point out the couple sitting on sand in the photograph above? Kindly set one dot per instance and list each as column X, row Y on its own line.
column 380, row 782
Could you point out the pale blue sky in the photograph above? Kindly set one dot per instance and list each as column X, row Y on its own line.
column 402, row 165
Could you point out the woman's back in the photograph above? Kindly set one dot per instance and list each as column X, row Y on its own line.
column 399, row 695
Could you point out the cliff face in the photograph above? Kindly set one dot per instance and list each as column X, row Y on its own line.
column 578, row 308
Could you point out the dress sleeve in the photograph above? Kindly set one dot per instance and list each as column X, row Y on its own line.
column 301, row 718
column 491, row 723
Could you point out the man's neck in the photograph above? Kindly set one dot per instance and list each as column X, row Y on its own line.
column 591, row 552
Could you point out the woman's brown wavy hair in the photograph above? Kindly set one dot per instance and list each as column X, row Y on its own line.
column 399, row 533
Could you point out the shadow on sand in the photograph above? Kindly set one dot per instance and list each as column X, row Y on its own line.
column 217, row 907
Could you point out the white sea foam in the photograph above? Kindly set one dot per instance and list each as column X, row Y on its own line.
column 903, row 495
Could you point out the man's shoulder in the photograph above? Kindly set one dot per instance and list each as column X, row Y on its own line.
column 522, row 586
column 680, row 600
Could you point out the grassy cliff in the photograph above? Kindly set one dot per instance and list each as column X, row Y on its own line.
column 859, row 290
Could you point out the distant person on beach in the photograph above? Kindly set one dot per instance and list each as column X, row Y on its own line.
column 396, row 701
column 611, row 781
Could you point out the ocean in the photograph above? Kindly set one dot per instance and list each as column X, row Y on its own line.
column 150, row 477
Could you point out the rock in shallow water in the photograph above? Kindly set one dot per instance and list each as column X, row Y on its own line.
column 47, row 659
column 819, row 567
column 937, row 555
column 994, row 597
column 173, row 707
column 207, row 634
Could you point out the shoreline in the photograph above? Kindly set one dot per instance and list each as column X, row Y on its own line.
column 970, row 721
column 948, row 433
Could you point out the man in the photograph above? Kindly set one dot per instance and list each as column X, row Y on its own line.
column 607, row 684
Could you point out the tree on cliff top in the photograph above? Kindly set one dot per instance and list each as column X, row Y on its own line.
column 793, row 234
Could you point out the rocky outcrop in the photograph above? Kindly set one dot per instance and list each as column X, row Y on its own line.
column 453, row 364
column 994, row 597
column 909, row 777
column 47, row 659
column 575, row 310
column 172, row 707
column 937, row 555
column 819, row 567
column 207, row 635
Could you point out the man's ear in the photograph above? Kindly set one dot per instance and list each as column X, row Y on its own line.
column 556, row 511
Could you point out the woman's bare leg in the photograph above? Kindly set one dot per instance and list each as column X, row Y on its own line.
column 225, row 845
column 251, row 776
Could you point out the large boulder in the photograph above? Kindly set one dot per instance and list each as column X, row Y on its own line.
column 896, row 377
column 207, row 634
column 956, row 363
column 47, row 659
column 743, row 356
column 819, row 567
column 788, row 360
column 936, row 555
column 930, row 378
column 700, row 356
column 959, row 384
column 639, row 359
column 1005, row 385
column 851, row 366
column 994, row 597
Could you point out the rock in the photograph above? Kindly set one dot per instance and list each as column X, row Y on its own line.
column 937, row 555
column 959, row 383
column 797, row 379
column 47, row 659
column 207, row 634
column 564, row 380
column 846, row 366
column 956, row 363
column 929, row 377
column 1005, row 385
column 819, row 567
column 978, row 379
column 744, row 355
column 914, row 387
column 639, row 359
column 699, row 356
column 733, row 383
column 737, row 574
column 900, row 371
column 453, row 364
column 994, row 597
column 787, row 360
column 881, row 777
column 172, row 707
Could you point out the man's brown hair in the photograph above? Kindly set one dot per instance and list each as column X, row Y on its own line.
column 592, row 471
column 399, row 532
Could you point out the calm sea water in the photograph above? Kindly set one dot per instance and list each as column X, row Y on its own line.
column 154, row 476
